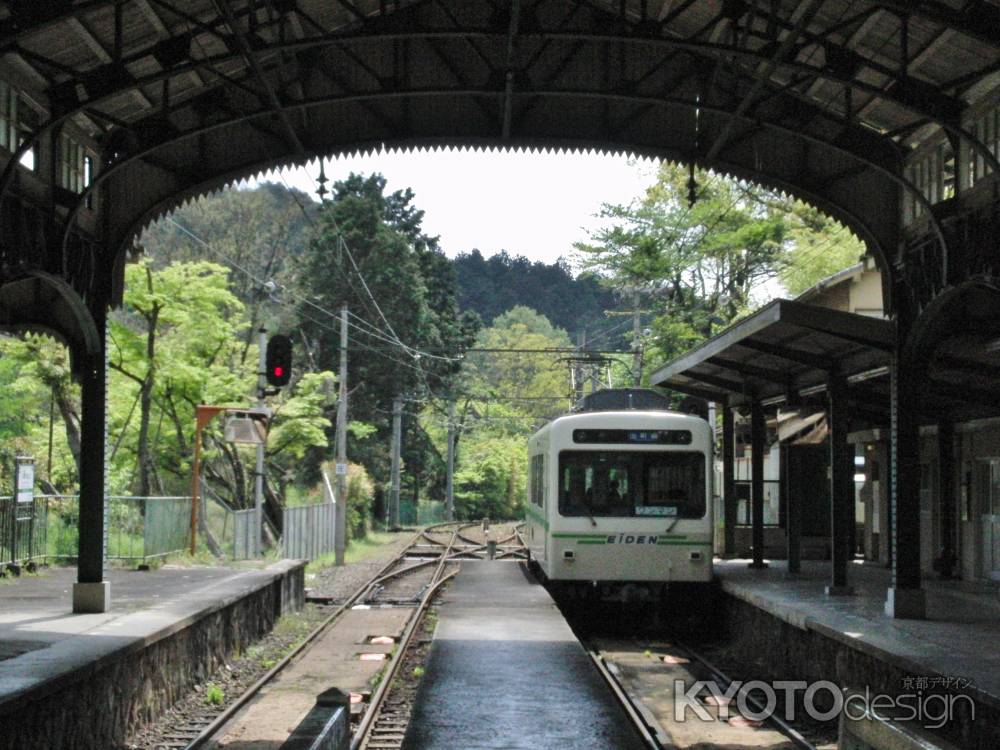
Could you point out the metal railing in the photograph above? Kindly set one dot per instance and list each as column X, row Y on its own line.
column 139, row 528
column 22, row 531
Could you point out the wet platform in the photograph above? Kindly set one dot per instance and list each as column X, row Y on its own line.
column 506, row 671
column 166, row 629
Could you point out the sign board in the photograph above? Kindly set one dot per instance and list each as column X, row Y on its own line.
column 341, row 470
column 25, row 477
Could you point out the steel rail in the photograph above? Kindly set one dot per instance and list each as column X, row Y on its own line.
column 219, row 721
column 646, row 732
column 784, row 727
column 375, row 703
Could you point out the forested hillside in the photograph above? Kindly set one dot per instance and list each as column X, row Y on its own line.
column 492, row 286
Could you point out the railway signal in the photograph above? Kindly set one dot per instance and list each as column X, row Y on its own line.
column 278, row 362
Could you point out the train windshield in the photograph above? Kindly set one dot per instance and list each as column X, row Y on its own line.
column 642, row 484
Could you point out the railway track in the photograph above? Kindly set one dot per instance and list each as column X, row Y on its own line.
column 659, row 729
column 411, row 580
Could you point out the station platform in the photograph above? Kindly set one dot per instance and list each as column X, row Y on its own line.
column 506, row 671
column 187, row 619
column 955, row 649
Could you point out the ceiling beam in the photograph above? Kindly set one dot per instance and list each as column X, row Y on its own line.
column 95, row 46
column 791, row 354
column 251, row 58
column 811, row 7
column 976, row 19
column 510, row 69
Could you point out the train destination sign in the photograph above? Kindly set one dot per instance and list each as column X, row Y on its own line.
column 633, row 437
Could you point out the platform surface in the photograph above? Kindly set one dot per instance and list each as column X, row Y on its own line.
column 41, row 641
column 960, row 637
column 506, row 671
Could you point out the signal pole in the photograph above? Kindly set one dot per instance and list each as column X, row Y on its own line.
column 340, row 514
column 397, row 444
column 450, row 480
column 636, row 339
column 258, row 483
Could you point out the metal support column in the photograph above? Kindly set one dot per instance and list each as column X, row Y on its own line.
column 340, row 512
column 91, row 593
column 905, row 598
column 397, row 440
column 757, row 437
column 946, row 481
column 841, row 488
column 258, row 475
column 793, row 515
column 729, row 504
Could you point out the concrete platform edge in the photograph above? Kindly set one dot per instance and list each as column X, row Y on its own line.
column 279, row 587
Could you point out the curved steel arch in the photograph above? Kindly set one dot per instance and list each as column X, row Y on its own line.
column 849, row 206
column 560, row 74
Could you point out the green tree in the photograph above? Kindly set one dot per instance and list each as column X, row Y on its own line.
column 697, row 265
column 504, row 396
column 371, row 253
column 818, row 248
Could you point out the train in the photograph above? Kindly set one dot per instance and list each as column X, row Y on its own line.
column 619, row 503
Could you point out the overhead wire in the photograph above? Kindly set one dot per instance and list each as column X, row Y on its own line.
column 342, row 244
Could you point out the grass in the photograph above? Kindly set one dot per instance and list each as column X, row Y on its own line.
column 214, row 695
column 357, row 550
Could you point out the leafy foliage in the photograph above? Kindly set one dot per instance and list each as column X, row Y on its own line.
column 492, row 286
column 698, row 267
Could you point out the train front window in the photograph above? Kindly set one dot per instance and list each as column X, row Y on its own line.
column 644, row 484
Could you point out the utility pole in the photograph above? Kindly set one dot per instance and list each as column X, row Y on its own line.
column 397, row 444
column 258, row 484
column 636, row 338
column 450, row 480
column 340, row 514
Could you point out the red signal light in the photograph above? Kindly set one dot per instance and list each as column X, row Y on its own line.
column 278, row 360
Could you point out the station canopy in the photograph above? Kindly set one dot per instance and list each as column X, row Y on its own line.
column 822, row 98
column 786, row 353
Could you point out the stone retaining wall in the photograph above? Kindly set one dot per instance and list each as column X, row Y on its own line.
column 778, row 650
column 97, row 707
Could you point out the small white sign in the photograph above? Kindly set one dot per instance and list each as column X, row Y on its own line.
column 341, row 470
column 656, row 510
column 25, row 482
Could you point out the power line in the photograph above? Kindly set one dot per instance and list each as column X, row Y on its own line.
column 342, row 243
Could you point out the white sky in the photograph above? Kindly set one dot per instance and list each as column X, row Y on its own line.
column 531, row 204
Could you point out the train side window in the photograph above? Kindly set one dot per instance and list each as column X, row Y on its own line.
column 537, row 481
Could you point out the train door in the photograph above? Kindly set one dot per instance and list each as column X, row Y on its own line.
column 537, row 519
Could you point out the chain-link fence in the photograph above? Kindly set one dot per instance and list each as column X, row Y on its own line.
column 422, row 513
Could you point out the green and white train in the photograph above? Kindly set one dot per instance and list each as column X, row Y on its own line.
column 620, row 497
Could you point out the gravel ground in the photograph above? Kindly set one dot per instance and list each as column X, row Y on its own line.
column 340, row 583
column 232, row 679
column 242, row 670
